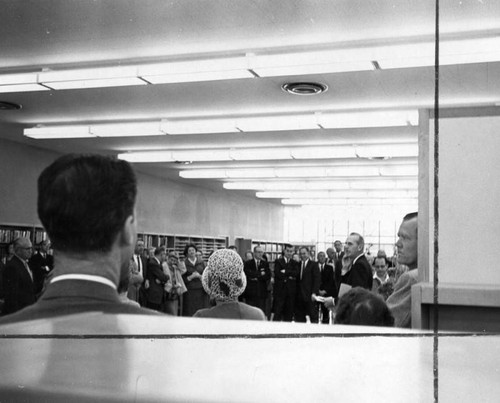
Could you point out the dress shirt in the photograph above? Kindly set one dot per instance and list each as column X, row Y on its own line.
column 138, row 262
column 85, row 277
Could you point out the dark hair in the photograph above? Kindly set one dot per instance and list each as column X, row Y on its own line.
column 159, row 250
column 189, row 245
column 361, row 240
column 361, row 307
column 409, row 216
column 84, row 200
column 287, row 245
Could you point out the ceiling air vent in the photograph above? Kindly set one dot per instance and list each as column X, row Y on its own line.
column 304, row 88
column 9, row 106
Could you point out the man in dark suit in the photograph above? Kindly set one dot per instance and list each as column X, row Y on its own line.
column 286, row 271
column 86, row 204
column 360, row 274
column 41, row 264
column 258, row 274
column 138, row 292
column 328, row 287
column 307, row 288
column 157, row 279
column 18, row 278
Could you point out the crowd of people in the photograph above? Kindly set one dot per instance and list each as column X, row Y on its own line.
column 99, row 265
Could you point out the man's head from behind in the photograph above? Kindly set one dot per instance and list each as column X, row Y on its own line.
column 361, row 307
column 86, row 203
column 407, row 243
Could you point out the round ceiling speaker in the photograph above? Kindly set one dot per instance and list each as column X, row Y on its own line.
column 304, row 88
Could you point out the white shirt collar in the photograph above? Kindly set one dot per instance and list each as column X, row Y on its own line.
column 384, row 280
column 85, row 277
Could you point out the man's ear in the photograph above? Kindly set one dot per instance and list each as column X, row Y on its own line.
column 129, row 231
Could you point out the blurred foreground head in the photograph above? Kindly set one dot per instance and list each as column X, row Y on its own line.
column 85, row 202
column 359, row 306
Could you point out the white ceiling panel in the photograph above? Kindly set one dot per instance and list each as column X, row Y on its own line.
column 43, row 36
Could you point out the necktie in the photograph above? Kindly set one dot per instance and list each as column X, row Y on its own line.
column 302, row 270
column 139, row 263
column 29, row 271
column 321, row 267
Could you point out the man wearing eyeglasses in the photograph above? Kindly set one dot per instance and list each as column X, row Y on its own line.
column 18, row 278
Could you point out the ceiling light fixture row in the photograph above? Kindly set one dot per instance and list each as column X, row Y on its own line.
column 352, row 171
column 369, row 151
column 279, row 185
column 299, row 121
column 339, row 194
column 352, row 202
column 476, row 50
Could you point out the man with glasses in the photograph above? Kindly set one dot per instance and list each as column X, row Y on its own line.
column 18, row 278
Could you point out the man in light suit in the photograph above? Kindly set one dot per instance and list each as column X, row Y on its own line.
column 307, row 288
column 18, row 278
column 86, row 204
column 137, row 291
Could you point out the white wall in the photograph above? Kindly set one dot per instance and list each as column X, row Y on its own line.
column 163, row 206
column 469, row 196
column 469, row 200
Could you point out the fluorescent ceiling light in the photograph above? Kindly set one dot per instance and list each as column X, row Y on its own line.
column 368, row 119
column 147, row 156
column 323, row 185
column 464, row 51
column 127, row 129
column 338, row 194
column 22, row 88
column 267, row 153
column 351, row 202
column 195, row 126
column 201, row 155
column 322, row 152
column 94, row 73
column 197, row 70
column 101, row 83
column 201, row 76
column 373, row 151
column 58, row 132
column 273, row 123
column 298, row 70
column 194, row 66
column 303, row 172
column 13, row 79
column 252, row 154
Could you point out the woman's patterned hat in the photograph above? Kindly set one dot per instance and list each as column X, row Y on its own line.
column 224, row 278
